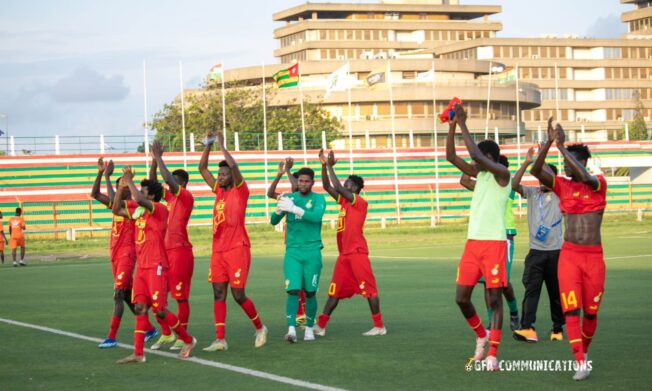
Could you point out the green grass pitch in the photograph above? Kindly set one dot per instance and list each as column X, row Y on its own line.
column 427, row 345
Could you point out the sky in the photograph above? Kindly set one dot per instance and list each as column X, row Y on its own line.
column 76, row 67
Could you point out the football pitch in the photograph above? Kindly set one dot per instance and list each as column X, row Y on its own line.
column 427, row 346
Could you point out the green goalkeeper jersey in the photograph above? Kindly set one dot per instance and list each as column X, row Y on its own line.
column 304, row 232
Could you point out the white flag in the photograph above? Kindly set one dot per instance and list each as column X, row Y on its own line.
column 336, row 81
column 426, row 76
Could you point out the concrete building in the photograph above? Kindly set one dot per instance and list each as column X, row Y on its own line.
column 596, row 79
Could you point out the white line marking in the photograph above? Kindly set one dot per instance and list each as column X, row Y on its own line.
column 209, row 363
column 629, row 257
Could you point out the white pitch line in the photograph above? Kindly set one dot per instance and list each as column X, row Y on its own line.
column 628, row 257
column 200, row 361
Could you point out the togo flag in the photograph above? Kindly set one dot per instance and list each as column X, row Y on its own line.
column 287, row 77
column 336, row 81
column 377, row 78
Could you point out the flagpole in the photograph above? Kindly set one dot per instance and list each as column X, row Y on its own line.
column 518, row 129
column 265, row 140
column 557, row 107
column 393, row 126
column 486, row 122
column 303, row 121
column 145, row 111
column 434, row 124
column 183, row 118
column 348, row 88
column 223, row 106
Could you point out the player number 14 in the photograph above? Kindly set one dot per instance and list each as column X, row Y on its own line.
column 570, row 300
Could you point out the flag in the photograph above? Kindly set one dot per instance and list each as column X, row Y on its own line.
column 336, row 81
column 426, row 76
column 508, row 76
column 377, row 78
column 217, row 73
column 287, row 77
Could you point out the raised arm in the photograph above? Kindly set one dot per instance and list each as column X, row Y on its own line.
column 337, row 186
column 451, row 154
column 271, row 192
column 579, row 171
column 157, row 152
column 537, row 170
column 152, row 169
column 294, row 182
column 500, row 172
column 95, row 192
column 107, row 178
column 139, row 197
column 203, row 166
column 516, row 182
column 119, row 208
column 235, row 171
column 325, row 180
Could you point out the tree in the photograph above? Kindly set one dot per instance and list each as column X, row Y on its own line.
column 637, row 126
column 244, row 114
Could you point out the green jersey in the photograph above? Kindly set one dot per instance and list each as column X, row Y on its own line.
column 488, row 206
column 304, row 232
column 510, row 222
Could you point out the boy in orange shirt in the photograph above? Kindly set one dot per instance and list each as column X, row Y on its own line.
column 16, row 228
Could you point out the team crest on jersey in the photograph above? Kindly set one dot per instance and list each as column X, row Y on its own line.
column 219, row 214
column 121, row 275
column 155, row 296
column 340, row 220
column 178, row 287
column 287, row 284
column 237, row 273
column 494, row 271
column 309, row 204
column 362, row 285
column 597, row 298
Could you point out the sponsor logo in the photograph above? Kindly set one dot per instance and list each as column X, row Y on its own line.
column 495, row 281
column 576, row 194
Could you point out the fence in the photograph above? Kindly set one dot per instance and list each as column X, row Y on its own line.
column 101, row 144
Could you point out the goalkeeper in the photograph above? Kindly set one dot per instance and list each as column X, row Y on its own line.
column 302, row 263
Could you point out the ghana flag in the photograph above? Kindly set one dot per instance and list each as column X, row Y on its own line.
column 287, row 77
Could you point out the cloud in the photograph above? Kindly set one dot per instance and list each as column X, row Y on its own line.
column 87, row 85
column 608, row 26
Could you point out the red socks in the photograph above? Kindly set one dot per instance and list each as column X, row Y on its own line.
column 250, row 310
column 378, row 320
column 476, row 325
column 302, row 303
column 115, row 324
column 165, row 328
column 574, row 334
column 139, row 334
column 219, row 314
column 322, row 321
column 494, row 341
column 174, row 323
column 183, row 309
column 588, row 330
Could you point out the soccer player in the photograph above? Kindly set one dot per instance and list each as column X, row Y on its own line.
column 486, row 248
column 177, row 244
column 544, row 223
column 352, row 274
column 581, row 269
column 123, row 255
column 231, row 253
column 302, row 262
column 284, row 167
column 4, row 239
column 150, row 287
column 510, row 231
column 16, row 228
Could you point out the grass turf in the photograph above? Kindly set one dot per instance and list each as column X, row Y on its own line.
column 427, row 346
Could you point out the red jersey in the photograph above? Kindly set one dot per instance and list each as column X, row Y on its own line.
column 350, row 223
column 150, row 234
column 122, row 236
column 578, row 197
column 229, row 217
column 180, row 207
